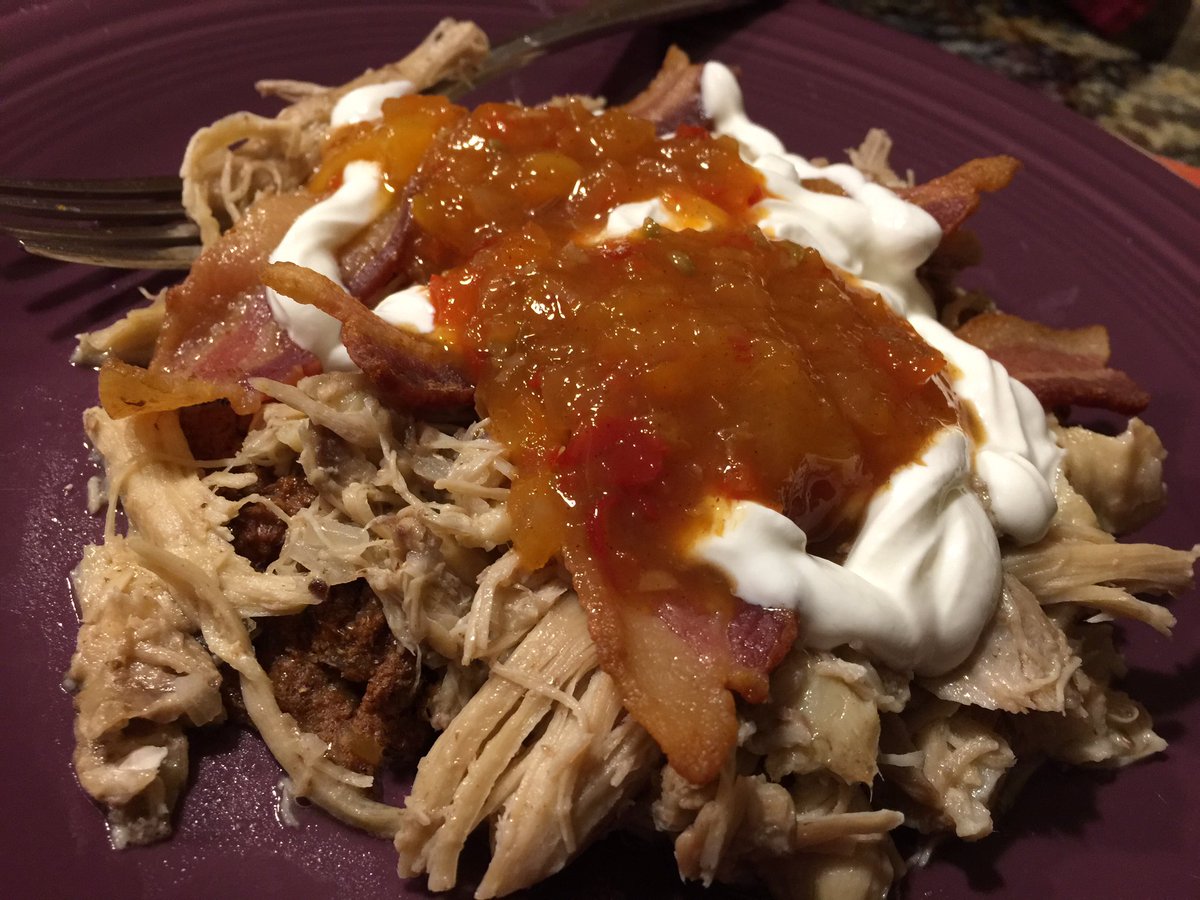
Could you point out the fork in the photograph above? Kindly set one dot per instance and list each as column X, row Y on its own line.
column 139, row 223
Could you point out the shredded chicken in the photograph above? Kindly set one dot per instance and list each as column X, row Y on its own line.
column 177, row 557
column 533, row 743
column 1079, row 562
column 823, row 716
column 1101, row 725
column 1022, row 662
column 139, row 674
column 1121, row 477
column 150, row 467
column 950, row 760
column 872, row 158
column 542, row 749
column 130, row 339
column 729, row 828
column 277, row 155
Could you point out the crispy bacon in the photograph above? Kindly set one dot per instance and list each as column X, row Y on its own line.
column 676, row 651
column 760, row 638
column 672, row 99
column 408, row 371
column 1062, row 366
column 218, row 327
column 953, row 197
column 677, row 664
column 375, row 257
column 126, row 390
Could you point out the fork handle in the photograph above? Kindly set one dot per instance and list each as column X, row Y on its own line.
column 580, row 25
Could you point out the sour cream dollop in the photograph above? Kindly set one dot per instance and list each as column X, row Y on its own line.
column 923, row 575
column 903, row 594
column 366, row 103
column 313, row 241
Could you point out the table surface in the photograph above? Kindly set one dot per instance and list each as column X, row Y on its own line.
column 1142, row 85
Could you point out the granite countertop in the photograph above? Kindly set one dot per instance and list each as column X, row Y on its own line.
column 1142, row 84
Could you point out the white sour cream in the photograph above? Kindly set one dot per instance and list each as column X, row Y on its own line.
column 313, row 241
column 923, row 575
column 1017, row 460
column 408, row 308
column 916, row 589
column 629, row 217
column 366, row 103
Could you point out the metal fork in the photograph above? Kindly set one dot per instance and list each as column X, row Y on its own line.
column 139, row 223
column 125, row 223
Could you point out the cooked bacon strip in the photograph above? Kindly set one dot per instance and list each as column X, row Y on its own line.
column 678, row 665
column 375, row 257
column 953, row 197
column 760, row 638
column 673, row 97
column 677, row 652
column 126, row 390
column 1062, row 366
column 409, row 372
column 218, row 327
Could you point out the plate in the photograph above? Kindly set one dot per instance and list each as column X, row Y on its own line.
column 1091, row 231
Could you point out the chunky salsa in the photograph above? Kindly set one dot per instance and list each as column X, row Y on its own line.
column 642, row 381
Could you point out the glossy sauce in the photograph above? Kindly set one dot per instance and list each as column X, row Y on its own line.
column 565, row 168
column 397, row 140
column 723, row 364
column 734, row 363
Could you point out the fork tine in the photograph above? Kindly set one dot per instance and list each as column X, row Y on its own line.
column 118, row 222
column 115, row 199
column 84, row 207
column 155, row 186
column 180, row 257
column 173, row 235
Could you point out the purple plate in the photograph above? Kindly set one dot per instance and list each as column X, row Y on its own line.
column 1091, row 231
